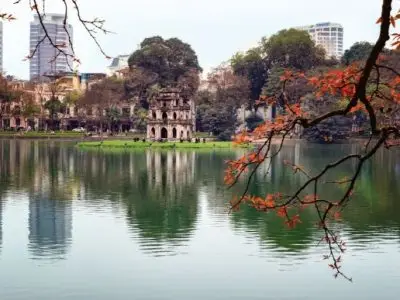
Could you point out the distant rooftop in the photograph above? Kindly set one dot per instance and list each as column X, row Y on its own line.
column 324, row 24
column 118, row 60
column 50, row 18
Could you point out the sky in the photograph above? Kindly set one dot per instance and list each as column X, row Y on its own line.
column 216, row 29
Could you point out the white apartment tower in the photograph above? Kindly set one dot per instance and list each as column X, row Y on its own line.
column 328, row 35
column 1, row 47
column 45, row 61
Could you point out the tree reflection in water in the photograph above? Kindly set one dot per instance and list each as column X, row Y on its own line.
column 158, row 192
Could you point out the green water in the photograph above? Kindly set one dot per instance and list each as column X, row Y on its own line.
column 151, row 224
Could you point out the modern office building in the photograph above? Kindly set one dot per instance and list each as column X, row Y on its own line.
column 1, row 47
column 328, row 35
column 45, row 61
column 50, row 226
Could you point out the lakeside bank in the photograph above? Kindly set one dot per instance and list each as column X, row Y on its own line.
column 126, row 144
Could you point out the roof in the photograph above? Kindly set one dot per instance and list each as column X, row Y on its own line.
column 117, row 60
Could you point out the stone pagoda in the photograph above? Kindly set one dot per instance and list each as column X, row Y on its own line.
column 171, row 116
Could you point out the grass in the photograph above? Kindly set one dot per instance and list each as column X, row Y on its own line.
column 167, row 145
column 41, row 134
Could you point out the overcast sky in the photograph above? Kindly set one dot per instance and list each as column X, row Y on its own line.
column 215, row 28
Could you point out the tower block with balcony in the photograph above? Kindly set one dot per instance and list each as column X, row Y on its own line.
column 171, row 116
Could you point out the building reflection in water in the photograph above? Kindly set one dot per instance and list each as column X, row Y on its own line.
column 50, row 227
column 172, row 168
column 163, row 209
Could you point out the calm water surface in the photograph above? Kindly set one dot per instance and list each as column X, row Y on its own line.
column 154, row 225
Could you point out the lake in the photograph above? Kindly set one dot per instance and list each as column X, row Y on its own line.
column 149, row 224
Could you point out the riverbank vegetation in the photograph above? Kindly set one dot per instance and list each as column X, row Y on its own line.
column 159, row 145
column 41, row 134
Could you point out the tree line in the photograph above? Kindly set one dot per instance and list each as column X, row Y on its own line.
column 238, row 83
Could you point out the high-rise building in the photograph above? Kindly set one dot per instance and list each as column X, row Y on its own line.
column 45, row 61
column 1, row 47
column 328, row 35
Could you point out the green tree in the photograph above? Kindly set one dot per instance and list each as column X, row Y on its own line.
column 221, row 120
column 140, row 119
column 104, row 95
column 253, row 121
column 358, row 52
column 170, row 59
column 253, row 66
column 217, row 106
column 54, row 107
column 72, row 97
column 8, row 94
column 29, row 108
column 292, row 48
column 141, row 85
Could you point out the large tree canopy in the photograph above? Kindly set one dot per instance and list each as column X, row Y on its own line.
column 253, row 66
column 170, row 59
column 293, row 48
column 217, row 106
column 358, row 52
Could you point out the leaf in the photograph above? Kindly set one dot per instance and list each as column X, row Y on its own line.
column 392, row 21
column 379, row 20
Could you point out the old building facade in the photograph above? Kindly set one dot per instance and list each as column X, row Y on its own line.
column 171, row 116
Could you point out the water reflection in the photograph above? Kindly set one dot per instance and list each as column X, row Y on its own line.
column 37, row 170
column 157, row 194
column 371, row 215
column 50, row 227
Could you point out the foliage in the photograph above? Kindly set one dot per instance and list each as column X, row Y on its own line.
column 228, row 87
column 140, row 119
column 168, row 145
column 8, row 93
column 171, row 60
column 292, row 48
column 217, row 106
column 54, row 107
column 253, row 121
column 253, row 66
column 40, row 135
column 72, row 97
column 104, row 96
column 141, row 85
column 221, row 120
column 372, row 88
column 30, row 108
column 358, row 52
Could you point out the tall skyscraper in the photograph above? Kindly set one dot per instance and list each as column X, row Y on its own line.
column 328, row 35
column 45, row 61
column 1, row 47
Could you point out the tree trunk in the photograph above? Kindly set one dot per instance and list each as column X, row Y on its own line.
column 101, row 129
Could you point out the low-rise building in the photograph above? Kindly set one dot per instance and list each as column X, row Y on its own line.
column 118, row 63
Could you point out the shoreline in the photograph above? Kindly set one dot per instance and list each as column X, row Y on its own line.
column 125, row 144
column 116, row 141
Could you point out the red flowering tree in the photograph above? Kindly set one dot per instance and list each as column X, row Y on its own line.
column 372, row 87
